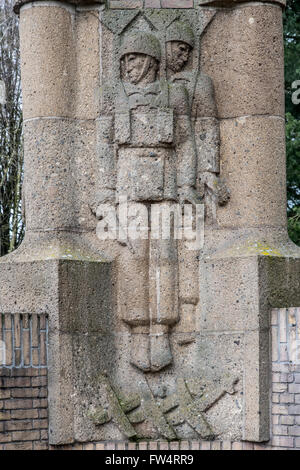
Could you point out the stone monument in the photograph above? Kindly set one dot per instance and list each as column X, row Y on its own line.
column 133, row 108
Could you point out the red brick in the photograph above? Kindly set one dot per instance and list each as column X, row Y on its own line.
column 294, row 410
column 4, row 415
column 40, row 403
column 287, row 398
column 126, row 3
column 5, row 437
column 280, row 430
column 184, row 445
column 25, row 393
column 297, row 398
column 195, row 445
column 226, row 445
column 40, row 424
column 297, row 442
column 280, row 409
column 283, row 441
column 174, row 445
column 18, row 425
column 24, row 414
column 26, row 435
column 287, row 420
column 4, row 372
column 294, row 431
column 19, row 446
column 294, row 388
column 237, row 446
column 143, row 445
column 44, row 434
column 17, row 382
column 79, row 446
column 4, row 393
column 39, row 381
column 89, row 446
column 26, row 372
column 247, row 445
column 162, row 445
column 152, row 3
column 40, row 445
column 15, row 404
column 43, row 392
column 153, row 445
column 43, row 413
column 177, row 3
column 99, row 446
column 279, row 388
column 205, row 445
column 216, row 445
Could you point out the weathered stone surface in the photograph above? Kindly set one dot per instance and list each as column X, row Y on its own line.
column 252, row 148
column 87, row 65
column 20, row 3
column 60, row 174
column 48, row 85
column 242, row 52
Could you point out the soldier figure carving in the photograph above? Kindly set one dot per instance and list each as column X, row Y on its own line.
column 149, row 154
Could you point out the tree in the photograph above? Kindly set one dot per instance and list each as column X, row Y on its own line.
column 292, row 73
column 11, row 138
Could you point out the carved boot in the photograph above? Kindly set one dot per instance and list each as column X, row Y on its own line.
column 160, row 351
column 140, row 348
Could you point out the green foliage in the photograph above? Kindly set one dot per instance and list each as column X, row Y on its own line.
column 11, row 138
column 292, row 73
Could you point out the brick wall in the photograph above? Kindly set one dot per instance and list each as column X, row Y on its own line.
column 286, row 378
column 23, row 389
column 23, row 382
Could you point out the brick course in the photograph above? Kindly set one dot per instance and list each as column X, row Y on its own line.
column 23, row 383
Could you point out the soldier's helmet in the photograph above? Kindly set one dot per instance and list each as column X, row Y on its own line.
column 179, row 31
column 141, row 43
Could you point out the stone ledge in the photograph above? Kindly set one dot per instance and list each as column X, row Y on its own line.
column 20, row 3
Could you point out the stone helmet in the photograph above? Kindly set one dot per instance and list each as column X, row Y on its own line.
column 179, row 31
column 141, row 43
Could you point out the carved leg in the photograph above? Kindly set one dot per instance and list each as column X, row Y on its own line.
column 163, row 300
column 188, row 292
column 133, row 299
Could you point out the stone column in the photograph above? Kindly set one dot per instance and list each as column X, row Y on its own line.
column 250, row 262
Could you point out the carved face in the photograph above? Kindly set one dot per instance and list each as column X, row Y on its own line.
column 177, row 55
column 139, row 67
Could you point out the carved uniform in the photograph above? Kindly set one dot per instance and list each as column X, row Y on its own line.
column 152, row 131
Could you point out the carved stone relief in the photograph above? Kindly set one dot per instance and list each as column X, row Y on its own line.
column 158, row 146
column 192, row 399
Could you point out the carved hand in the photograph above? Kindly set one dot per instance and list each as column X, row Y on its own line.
column 187, row 194
column 216, row 186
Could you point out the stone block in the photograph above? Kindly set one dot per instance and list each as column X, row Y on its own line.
column 250, row 146
column 61, row 160
column 87, row 84
column 242, row 52
column 48, row 85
